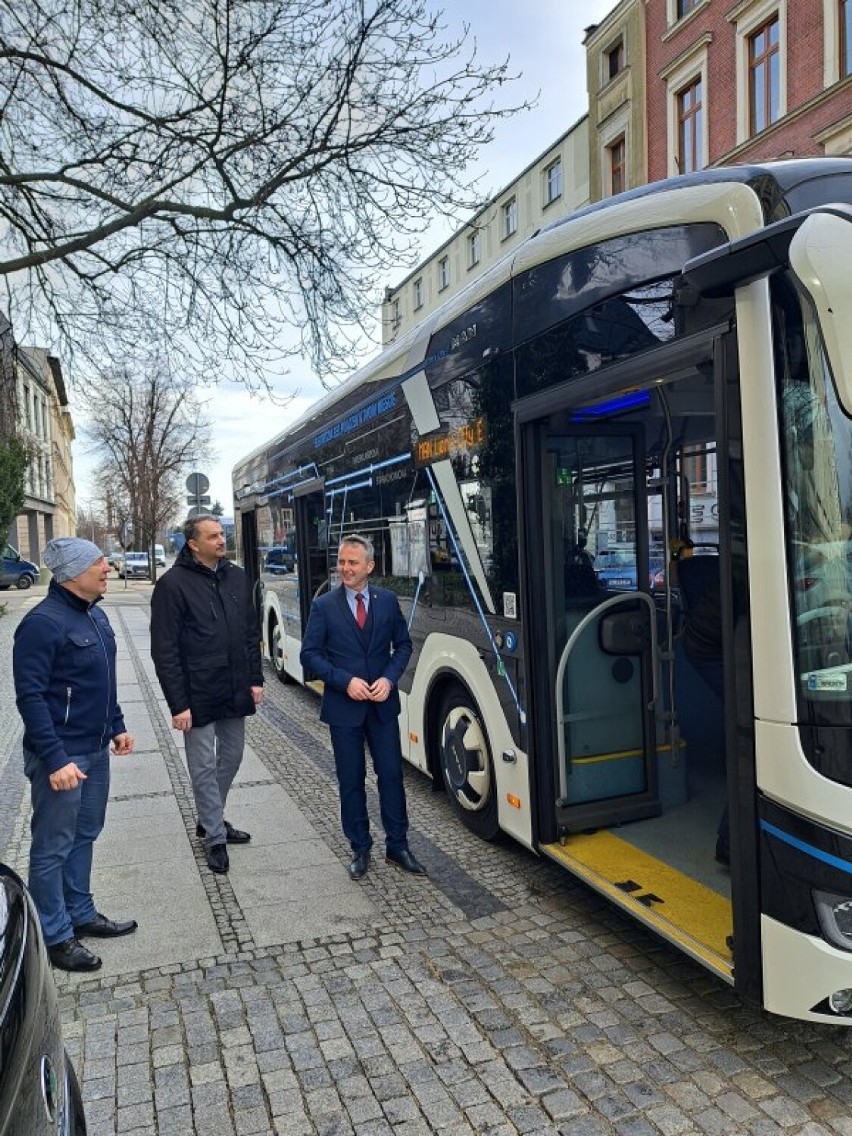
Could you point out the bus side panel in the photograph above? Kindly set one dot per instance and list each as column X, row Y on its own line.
column 439, row 656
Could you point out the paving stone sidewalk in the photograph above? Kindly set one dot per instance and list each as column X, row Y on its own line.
column 498, row 997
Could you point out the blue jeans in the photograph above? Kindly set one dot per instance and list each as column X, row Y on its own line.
column 349, row 758
column 64, row 826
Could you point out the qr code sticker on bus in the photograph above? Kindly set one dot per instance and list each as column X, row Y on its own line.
column 510, row 605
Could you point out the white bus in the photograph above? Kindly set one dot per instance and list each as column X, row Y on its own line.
column 611, row 482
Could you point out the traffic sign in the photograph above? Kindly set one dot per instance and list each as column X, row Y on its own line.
column 196, row 511
column 197, row 484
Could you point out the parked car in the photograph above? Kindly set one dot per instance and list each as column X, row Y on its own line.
column 114, row 558
column 159, row 556
column 280, row 559
column 135, row 566
column 39, row 1092
column 615, row 568
column 15, row 570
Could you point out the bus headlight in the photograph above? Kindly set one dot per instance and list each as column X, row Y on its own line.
column 835, row 918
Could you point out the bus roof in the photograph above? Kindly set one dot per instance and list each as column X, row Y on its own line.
column 779, row 187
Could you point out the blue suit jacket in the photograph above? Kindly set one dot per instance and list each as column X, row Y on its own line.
column 335, row 649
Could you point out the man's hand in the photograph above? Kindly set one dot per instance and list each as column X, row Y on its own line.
column 182, row 721
column 257, row 695
column 380, row 690
column 122, row 744
column 359, row 690
column 68, row 777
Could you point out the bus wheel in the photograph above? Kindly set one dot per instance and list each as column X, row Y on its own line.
column 466, row 765
column 277, row 651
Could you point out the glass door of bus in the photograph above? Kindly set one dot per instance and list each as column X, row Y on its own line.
column 595, row 693
column 311, row 545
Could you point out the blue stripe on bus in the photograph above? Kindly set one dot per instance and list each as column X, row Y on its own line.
column 809, row 849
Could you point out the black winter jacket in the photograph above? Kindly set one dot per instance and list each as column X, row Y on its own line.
column 205, row 640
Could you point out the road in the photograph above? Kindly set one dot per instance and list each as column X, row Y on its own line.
column 497, row 997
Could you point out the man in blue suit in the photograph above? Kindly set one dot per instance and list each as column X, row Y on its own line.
column 357, row 642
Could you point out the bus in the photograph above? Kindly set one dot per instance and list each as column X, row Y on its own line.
column 610, row 482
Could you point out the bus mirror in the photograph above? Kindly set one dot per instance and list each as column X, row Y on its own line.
column 820, row 255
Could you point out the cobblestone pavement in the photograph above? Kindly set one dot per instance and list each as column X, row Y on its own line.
column 498, row 997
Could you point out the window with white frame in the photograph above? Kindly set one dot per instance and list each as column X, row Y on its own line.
column 474, row 249
column 764, row 71
column 417, row 293
column 680, row 9
column 396, row 312
column 690, row 127
column 837, row 40
column 510, row 218
column 443, row 273
column 553, row 182
column 686, row 110
column 761, row 63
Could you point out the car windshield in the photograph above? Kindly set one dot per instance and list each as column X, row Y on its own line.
column 615, row 558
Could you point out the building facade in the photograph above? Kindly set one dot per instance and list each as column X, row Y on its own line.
column 616, row 83
column 45, row 423
column 747, row 81
column 555, row 184
column 674, row 86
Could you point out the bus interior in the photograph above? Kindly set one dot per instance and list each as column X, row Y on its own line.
column 623, row 498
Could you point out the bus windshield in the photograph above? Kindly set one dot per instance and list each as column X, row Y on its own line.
column 816, row 438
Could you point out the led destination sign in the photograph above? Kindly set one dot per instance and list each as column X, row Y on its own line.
column 436, row 447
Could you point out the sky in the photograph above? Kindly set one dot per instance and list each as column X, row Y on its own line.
column 544, row 42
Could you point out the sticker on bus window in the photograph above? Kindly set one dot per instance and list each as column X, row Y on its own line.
column 834, row 683
column 510, row 605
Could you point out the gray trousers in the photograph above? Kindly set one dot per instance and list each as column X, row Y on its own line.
column 214, row 753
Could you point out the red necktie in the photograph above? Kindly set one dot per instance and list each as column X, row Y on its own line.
column 360, row 610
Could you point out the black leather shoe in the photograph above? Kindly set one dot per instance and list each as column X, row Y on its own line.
column 72, row 955
column 103, row 928
column 217, row 859
column 406, row 862
column 232, row 835
column 360, row 864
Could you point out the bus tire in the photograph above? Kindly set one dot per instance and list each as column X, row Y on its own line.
column 466, row 766
column 275, row 650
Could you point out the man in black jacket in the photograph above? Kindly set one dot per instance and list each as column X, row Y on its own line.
column 205, row 643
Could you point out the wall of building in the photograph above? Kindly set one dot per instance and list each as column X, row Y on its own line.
column 44, row 421
column 449, row 268
column 712, row 40
column 616, row 81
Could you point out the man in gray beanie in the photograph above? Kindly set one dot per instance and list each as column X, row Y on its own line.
column 64, row 668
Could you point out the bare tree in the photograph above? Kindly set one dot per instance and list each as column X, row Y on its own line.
column 228, row 179
column 148, row 430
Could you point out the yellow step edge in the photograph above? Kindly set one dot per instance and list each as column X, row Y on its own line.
column 682, row 910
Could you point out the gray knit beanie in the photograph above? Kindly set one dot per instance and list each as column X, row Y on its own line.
column 69, row 556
